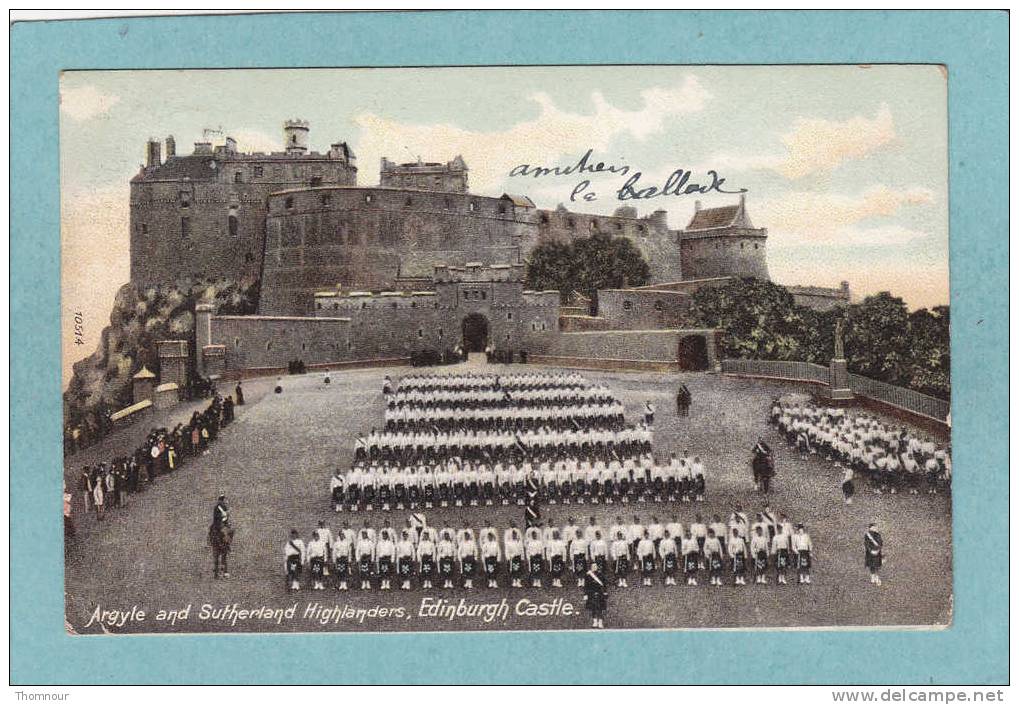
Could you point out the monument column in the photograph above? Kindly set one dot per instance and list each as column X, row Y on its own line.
column 838, row 371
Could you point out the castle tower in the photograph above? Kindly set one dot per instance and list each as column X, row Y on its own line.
column 295, row 136
column 722, row 242
column 171, row 147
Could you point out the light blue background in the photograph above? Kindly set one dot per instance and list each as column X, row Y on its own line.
column 972, row 44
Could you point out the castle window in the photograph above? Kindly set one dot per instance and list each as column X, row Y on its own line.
column 367, row 198
column 421, row 332
column 145, row 229
column 326, row 198
column 249, row 258
column 440, row 333
column 288, row 202
column 619, row 226
column 185, row 227
column 408, row 202
column 569, row 222
column 447, row 204
column 350, row 345
column 509, row 315
column 238, row 177
column 659, row 306
column 594, row 225
column 472, row 207
column 304, row 346
column 237, row 342
column 741, row 245
column 394, row 304
column 716, row 245
column 336, row 307
column 231, row 225
column 316, row 181
column 755, row 245
column 259, row 171
column 544, row 219
column 268, row 345
column 318, row 305
column 627, row 305
column 502, row 207
column 484, row 294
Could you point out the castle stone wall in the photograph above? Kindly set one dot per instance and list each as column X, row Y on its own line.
column 643, row 309
column 731, row 253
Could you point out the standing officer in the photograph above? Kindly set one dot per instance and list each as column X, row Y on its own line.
column 873, row 557
column 596, row 594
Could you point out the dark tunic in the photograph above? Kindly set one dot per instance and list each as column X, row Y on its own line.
column 873, row 546
column 596, row 591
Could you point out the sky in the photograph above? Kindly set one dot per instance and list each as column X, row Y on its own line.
column 846, row 166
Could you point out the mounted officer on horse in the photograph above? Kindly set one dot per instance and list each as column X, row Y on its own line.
column 221, row 535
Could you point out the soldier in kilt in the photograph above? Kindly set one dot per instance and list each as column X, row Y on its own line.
column 620, row 554
column 354, row 490
column 294, row 555
column 467, row 553
column 646, row 556
column 596, row 594
column 426, row 551
column 555, row 550
column 780, row 544
column 337, row 490
column 447, row 556
column 534, row 548
column 365, row 552
column 368, row 492
column 669, row 553
column 385, row 489
column 579, row 556
column 802, row 548
column 714, row 552
column 316, row 551
column 341, row 557
column 490, row 555
column 759, row 549
column 405, row 559
column 738, row 553
column 691, row 557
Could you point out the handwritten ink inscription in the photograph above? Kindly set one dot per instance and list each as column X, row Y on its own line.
column 680, row 182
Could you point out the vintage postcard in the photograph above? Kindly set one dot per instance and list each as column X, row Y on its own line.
column 506, row 348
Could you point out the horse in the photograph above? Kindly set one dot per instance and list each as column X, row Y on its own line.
column 220, row 539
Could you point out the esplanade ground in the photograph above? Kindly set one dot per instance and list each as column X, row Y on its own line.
column 274, row 462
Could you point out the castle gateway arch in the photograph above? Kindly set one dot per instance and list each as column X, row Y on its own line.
column 475, row 332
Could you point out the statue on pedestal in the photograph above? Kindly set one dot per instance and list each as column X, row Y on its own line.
column 840, row 352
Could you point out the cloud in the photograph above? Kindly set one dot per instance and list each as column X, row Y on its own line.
column 86, row 102
column 553, row 133
column 816, row 146
column 812, row 218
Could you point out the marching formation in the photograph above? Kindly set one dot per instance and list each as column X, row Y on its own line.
column 422, row 556
column 468, row 440
column 890, row 458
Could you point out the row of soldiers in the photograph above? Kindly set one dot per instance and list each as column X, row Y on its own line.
column 548, row 478
column 491, row 445
column 108, row 485
column 558, row 415
column 521, row 381
column 890, row 458
column 450, row 558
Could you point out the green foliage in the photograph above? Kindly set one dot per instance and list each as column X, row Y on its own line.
column 586, row 265
column 883, row 340
column 759, row 318
column 102, row 382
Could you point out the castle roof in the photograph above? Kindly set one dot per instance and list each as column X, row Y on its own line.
column 517, row 200
column 196, row 168
column 722, row 217
column 713, row 218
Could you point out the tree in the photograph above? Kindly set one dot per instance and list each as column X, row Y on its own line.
column 759, row 318
column 877, row 338
column 586, row 265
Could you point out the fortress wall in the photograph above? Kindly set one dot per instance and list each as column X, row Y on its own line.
column 264, row 342
column 633, row 350
column 362, row 238
column 643, row 309
column 162, row 251
column 739, row 253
